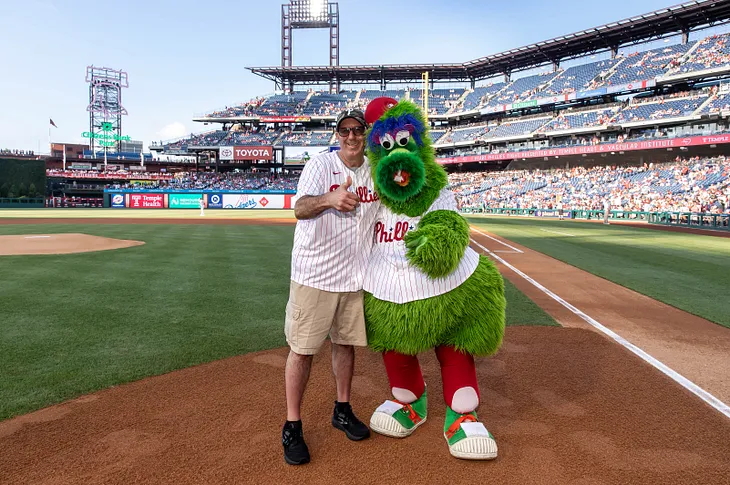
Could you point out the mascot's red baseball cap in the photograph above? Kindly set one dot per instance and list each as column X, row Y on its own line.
column 377, row 107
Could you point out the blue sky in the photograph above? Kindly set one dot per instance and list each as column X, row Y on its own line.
column 187, row 57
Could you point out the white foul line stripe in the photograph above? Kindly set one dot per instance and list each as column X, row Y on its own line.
column 35, row 237
column 497, row 240
column 558, row 232
column 672, row 374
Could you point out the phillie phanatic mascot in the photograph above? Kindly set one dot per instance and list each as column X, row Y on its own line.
column 426, row 288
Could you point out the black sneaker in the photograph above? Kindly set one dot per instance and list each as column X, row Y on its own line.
column 295, row 449
column 344, row 419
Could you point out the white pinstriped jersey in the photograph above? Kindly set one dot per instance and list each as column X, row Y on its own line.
column 391, row 277
column 331, row 250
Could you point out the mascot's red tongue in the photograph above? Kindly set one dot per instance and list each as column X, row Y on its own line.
column 377, row 107
column 401, row 177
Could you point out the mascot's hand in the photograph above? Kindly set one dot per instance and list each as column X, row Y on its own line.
column 428, row 249
column 414, row 241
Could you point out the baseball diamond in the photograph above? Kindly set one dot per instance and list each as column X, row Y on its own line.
column 169, row 271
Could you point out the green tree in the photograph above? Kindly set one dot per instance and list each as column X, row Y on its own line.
column 22, row 190
column 32, row 191
column 13, row 192
column 4, row 188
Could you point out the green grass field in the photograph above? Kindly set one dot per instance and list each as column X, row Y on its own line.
column 73, row 324
column 688, row 271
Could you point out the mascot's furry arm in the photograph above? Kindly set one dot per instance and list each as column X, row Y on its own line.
column 438, row 244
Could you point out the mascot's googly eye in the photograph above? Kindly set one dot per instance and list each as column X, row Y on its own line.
column 402, row 138
column 386, row 141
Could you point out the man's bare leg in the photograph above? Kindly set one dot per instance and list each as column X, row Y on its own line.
column 343, row 366
column 296, row 376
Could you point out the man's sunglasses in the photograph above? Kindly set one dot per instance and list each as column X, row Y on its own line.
column 357, row 130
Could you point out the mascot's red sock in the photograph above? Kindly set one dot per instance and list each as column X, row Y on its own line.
column 459, row 377
column 404, row 375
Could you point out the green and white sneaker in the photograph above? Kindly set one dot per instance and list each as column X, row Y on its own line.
column 397, row 419
column 467, row 437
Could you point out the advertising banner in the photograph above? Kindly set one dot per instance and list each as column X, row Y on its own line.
column 631, row 86
column 80, row 166
column 283, row 119
column 118, row 201
column 225, row 153
column 300, row 155
column 145, row 201
column 253, row 153
column 553, row 213
column 591, row 93
column 524, row 104
column 257, row 201
column 215, row 201
column 603, row 148
column 501, row 108
column 558, row 98
column 185, row 201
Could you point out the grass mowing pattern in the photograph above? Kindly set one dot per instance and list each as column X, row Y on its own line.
column 72, row 324
column 687, row 271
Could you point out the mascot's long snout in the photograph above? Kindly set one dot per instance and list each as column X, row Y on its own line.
column 401, row 174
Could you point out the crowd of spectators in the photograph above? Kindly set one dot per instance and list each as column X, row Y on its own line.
column 96, row 174
column 685, row 185
column 219, row 181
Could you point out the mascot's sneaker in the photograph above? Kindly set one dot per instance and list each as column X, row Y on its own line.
column 468, row 438
column 397, row 419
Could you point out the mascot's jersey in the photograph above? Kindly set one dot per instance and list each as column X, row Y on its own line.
column 391, row 277
column 331, row 250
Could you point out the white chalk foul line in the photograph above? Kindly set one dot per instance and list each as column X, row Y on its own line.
column 497, row 240
column 36, row 237
column 664, row 369
column 558, row 232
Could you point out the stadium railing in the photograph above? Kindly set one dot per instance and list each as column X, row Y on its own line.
column 21, row 203
column 680, row 219
column 568, row 213
column 693, row 220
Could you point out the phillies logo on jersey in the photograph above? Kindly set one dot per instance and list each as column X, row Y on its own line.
column 395, row 233
column 365, row 194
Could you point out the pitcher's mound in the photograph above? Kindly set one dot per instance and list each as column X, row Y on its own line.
column 59, row 244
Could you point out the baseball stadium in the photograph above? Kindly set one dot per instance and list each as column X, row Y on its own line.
column 144, row 292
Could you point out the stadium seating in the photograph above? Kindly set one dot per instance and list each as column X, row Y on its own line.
column 662, row 108
column 440, row 101
column 305, row 138
column 577, row 78
column 218, row 181
column 649, row 64
column 521, row 89
column 697, row 185
column 711, row 52
column 584, row 119
column 480, row 95
column 326, row 104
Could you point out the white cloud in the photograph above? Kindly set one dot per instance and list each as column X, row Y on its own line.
column 173, row 130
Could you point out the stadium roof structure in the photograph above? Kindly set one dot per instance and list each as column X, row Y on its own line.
column 642, row 28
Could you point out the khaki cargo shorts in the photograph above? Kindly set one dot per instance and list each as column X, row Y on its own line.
column 312, row 314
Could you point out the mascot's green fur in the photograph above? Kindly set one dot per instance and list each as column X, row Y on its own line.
column 470, row 317
column 426, row 288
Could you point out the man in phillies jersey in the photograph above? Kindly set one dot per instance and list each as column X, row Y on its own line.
column 336, row 207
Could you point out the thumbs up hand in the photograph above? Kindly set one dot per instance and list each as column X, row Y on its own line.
column 343, row 200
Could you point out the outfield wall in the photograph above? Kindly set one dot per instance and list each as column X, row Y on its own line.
column 190, row 199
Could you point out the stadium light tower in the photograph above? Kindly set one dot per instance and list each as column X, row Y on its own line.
column 310, row 14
